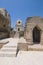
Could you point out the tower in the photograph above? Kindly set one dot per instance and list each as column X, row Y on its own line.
column 19, row 28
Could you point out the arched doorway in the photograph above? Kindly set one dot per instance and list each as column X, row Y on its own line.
column 18, row 29
column 36, row 35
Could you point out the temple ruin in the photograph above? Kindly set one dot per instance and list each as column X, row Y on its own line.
column 5, row 24
column 33, row 32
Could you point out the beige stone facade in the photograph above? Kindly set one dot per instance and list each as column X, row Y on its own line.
column 33, row 31
column 5, row 23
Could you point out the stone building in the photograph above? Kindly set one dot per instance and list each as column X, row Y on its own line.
column 19, row 29
column 5, row 23
column 33, row 31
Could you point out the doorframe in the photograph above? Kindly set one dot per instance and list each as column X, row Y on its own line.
column 38, row 28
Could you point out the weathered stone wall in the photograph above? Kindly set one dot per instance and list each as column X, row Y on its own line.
column 30, row 24
column 5, row 24
column 23, row 46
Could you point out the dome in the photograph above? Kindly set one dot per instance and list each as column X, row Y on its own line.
column 34, row 19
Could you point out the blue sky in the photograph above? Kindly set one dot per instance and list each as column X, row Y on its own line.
column 21, row 9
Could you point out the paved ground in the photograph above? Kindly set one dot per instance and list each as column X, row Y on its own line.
column 24, row 58
column 8, row 51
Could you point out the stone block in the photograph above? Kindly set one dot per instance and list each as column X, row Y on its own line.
column 23, row 46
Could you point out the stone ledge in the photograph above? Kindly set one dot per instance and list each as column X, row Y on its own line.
column 23, row 46
column 35, row 49
column 26, row 47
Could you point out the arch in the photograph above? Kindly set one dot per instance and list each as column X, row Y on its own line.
column 18, row 29
column 36, row 34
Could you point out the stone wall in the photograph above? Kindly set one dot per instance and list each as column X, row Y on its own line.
column 23, row 46
column 5, row 24
column 29, row 26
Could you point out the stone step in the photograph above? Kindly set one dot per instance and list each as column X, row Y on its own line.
column 17, row 34
column 35, row 49
column 29, row 42
column 8, row 51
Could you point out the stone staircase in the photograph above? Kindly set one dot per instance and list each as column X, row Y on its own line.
column 7, row 51
column 17, row 34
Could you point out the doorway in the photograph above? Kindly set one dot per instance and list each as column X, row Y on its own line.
column 18, row 29
column 36, row 34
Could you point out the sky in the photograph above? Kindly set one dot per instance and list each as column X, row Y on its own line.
column 21, row 9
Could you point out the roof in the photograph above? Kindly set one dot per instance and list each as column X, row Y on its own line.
column 34, row 17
